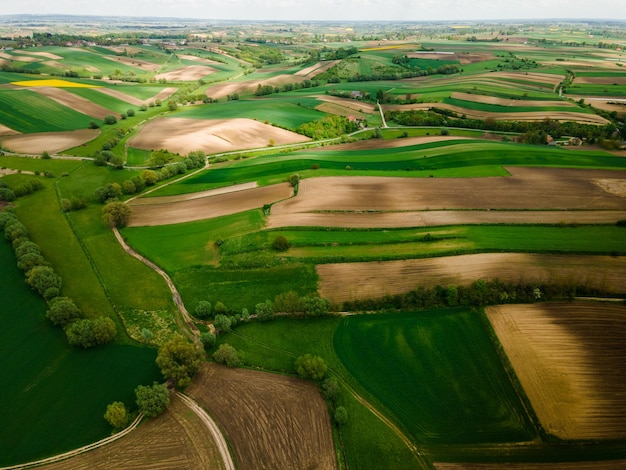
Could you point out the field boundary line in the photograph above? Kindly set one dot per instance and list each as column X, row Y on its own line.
column 80, row 450
column 211, row 425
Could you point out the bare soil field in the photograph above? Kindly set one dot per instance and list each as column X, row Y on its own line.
column 47, row 55
column 176, row 439
column 197, row 59
column 359, row 106
column 188, row 73
column 48, row 141
column 600, row 80
column 439, row 218
column 338, row 110
column 221, row 90
column 464, row 58
column 526, row 189
column 507, row 102
column 569, row 359
column 351, row 281
column 137, row 63
column 272, row 421
column 121, row 96
column 602, row 102
column 156, row 213
column 4, row 130
column 545, row 78
column 184, row 135
column 515, row 116
column 316, row 69
column 191, row 196
column 75, row 102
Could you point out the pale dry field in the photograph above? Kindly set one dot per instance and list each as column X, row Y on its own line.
column 187, row 73
column 526, row 188
column 316, row 69
column 341, row 282
column 75, row 102
column 271, row 421
column 4, row 130
column 569, row 359
column 507, row 102
column 183, row 135
column 137, row 63
column 119, row 94
column 584, row 118
column 354, row 105
column 601, row 102
column 197, row 195
column 600, row 80
column 176, row 439
column 47, row 55
column 197, row 59
column 150, row 211
column 48, row 141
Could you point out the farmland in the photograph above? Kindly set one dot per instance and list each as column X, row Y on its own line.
column 450, row 191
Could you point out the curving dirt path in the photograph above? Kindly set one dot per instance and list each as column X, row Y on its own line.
column 213, row 429
column 188, row 327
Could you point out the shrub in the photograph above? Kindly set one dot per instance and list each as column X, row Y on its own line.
column 340, row 416
column 228, row 355
column 62, row 311
column 280, row 243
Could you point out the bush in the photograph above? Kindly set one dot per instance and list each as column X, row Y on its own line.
column 280, row 243
column 117, row 415
column 340, row 416
column 311, row 367
column 221, row 323
column 110, row 119
column 264, row 311
column 228, row 355
column 152, row 400
column 207, row 339
column 203, row 309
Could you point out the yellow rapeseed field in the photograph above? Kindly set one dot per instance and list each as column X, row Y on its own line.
column 53, row 83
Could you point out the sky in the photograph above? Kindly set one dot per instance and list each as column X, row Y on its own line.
column 331, row 10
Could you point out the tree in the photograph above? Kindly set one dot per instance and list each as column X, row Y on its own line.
column 331, row 389
column 117, row 162
column 288, row 302
column 207, row 339
column 117, row 415
column 107, row 192
column 149, row 177
column 228, row 355
column 30, row 260
column 179, row 360
column 42, row 279
column 110, row 119
column 203, row 309
column 116, row 214
column 316, row 306
column 341, row 416
column 62, row 311
column 171, row 105
column 45, row 155
column 87, row 333
column 130, row 112
column 221, row 323
column 311, row 367
column 264, row 311
column 280, row 243
column 152, row 400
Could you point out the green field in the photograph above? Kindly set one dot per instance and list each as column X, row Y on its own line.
column 437, row 372
column 467, row 158
column 494, row 108
column 53, row 395
column 283, row 113
column 26, row 111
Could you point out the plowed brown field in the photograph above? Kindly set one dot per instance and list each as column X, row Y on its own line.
column 48, row 141
column 177, row 439
column 272, row 421
column 75, row 102
column 570, row 360
column 526, row 188
column 342, row 282
column 154, row 211
column 190, row 72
